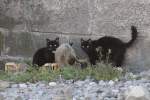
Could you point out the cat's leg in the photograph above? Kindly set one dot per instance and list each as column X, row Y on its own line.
column 36, row 61
column 119, row 60
column 93, row 61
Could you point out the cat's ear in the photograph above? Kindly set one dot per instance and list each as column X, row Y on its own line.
column 47, row 40
column 90, row 41
column 70, row 43
column 81, row 40
column 57, row 39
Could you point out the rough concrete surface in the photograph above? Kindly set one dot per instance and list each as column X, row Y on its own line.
column 25, row 24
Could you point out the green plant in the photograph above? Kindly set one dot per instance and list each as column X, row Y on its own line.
column 99, row 72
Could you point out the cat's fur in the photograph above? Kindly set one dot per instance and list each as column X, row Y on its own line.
column 114, row 46
column 46, row 54
column 65, row 55
column 87, row 47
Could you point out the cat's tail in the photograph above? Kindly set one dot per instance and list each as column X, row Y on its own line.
column 134, row 36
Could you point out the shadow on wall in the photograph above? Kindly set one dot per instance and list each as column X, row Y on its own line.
column 1, row 42
column 19, row 44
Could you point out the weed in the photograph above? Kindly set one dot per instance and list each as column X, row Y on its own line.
column 32, row 74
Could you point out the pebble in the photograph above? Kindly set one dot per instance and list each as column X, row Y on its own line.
column 2, row 97
column 79, row 83
column 14, row 86
column 92, row 84
column 52, row 84
column 18, row 98
column 71, row 90
column 102, row 83
column 4, row 85
column 111, row 83
column 23, row 85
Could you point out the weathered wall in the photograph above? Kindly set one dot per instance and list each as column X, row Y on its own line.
column 24, row 25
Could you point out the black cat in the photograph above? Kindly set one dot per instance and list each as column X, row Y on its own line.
column 46, row 54
column 87, row 46
column 109, row 45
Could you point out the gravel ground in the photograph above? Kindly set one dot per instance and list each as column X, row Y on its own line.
column 74, row 90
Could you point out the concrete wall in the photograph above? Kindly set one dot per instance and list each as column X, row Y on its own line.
column 24, row 25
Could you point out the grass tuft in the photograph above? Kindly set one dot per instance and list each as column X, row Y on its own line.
column 99, row 72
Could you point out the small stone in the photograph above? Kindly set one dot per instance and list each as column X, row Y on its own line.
column 74, row 98
column 87, row 79
column 106, row 98
column 100, row 97
column 20, row 91
column 69, row 81
column 40, row 92
column 102, row 83
column 91, row 98
column 137, row 93
column 103, row 94
column 18, row 98
column 23, row 85
column 111, row 83
column 128, row 83
column 42, row 85
column 59, row 98
column 4, row 85
column 115, row 92
column 81, row 98
column 14, row 86
column 2, row 97
column 79, row 83
column 32, row 85
column 120, row 96
column 68, row 91
column 52, row 84
column 92, row 84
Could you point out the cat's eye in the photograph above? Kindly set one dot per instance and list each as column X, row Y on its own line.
column 55, row 45
column 50, row 45
column 87, row 46
column 82, row 46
